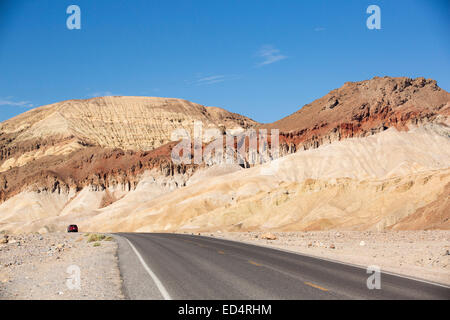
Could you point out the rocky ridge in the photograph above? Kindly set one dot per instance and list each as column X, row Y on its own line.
column 359, row 109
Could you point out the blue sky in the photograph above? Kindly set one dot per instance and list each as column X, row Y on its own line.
column 263, row 59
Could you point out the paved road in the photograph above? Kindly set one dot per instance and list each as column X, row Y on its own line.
column 175, row 266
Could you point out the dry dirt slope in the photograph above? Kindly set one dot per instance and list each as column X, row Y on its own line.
column 371, row 183
column 98, row 142
column 362, row 183
column 128, row 123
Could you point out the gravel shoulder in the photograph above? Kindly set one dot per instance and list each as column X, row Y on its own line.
column 46, row 267
column 137, row 284
column 419, row 254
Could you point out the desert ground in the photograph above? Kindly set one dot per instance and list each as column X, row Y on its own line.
column 35, row 266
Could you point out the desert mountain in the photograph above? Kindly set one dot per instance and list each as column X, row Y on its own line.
column 369, row 155
column 359, row 109
column 127, row 123
column 98, row 142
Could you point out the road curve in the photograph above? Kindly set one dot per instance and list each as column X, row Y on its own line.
column 178, row 266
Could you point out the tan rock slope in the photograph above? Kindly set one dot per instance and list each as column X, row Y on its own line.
column 369, row 155
column 396, row 175
column 325, row 188
column 98, row 142
column 128, row 123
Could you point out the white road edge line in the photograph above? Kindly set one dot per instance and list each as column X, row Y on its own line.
column 158, row 283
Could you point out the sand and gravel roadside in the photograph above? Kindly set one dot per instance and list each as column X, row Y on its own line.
column 34, row 266
column 419, row 254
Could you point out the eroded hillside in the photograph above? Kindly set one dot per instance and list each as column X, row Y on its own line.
column 369, row 155
column 359, row 109
column 127, row 123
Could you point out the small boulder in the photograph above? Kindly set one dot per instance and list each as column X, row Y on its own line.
column 269, row 236
column 4, row 239
column 43, row 230
column 332, row 246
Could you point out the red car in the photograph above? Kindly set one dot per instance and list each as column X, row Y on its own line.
column 72, row 228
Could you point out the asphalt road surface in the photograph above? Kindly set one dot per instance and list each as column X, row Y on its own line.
column 176, row 266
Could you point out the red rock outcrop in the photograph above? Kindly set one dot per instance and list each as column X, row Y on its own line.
column 95, row 167
column 363, row 108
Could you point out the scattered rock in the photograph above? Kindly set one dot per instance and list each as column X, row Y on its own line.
column 43, row 230
column 269, row 236
column 332, row 246
column 4, row 239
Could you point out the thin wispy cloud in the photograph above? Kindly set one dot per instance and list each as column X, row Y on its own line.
column 270, row 55
column 9, row 102
column 212, row 79
column 319, row 29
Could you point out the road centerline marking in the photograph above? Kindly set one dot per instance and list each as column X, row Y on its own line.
column 255, row 263
column 315, row 286
column 158, row 283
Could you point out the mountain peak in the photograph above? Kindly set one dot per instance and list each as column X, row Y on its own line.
column 366, row 107
column 128, row 123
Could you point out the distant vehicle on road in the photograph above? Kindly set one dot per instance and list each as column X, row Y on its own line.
column 72, row 228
